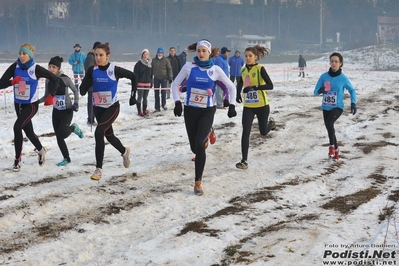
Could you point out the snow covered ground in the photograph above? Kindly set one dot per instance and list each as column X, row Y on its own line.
column 293, row 206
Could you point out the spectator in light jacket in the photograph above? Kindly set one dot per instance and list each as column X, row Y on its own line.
column 77, row 60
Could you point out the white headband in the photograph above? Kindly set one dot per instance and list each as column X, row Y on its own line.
column 206, row 44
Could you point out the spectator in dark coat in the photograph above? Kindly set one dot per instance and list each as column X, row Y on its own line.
column 176, row 66
column 90, row 61
column 143, row 71
column 183, row 57
column 301, row 65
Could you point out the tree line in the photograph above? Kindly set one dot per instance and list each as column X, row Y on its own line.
column 290, row 21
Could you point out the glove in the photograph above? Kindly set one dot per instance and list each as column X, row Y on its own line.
column 183, row 88
column 15, row 80
column 226, row 103
column 247, row 89
column 322, row 90
column 75, row 107
column 232, row 111
column 178, row 108
column 353, row 108
column 238, row 98
column 132, row 100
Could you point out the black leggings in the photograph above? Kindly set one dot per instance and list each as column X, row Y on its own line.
column 329, row 119
column 198, row 124
column 61, row 125
column 248, row 114
column 25, row 113
column 105, row 117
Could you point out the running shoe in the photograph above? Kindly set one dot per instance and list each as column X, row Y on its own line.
column 242, row 165
column 273, row 123
column 97, row 174
column 126, row 160
column 331, row 151
column 77, row 131
column 336, row 155
column 63, row 162
column 42, row 156
column 212, row 136
column 198, row 188
column 16, row 167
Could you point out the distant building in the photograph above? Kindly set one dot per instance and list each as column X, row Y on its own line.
column 388, row 29
column 56, row 13
column 241, row 41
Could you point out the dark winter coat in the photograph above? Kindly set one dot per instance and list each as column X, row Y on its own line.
column 176, row 64
column 161, row 68
column 301, row 62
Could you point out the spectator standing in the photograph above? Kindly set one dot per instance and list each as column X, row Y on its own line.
column 90, row 61
column 221, row 61
column 236, row 62
column 301, row 65
column 183, row 57
column 24, row 75
column 143, row 71
column 175, row 64
column 77, row 60
column 62, row 108
column 162, row 72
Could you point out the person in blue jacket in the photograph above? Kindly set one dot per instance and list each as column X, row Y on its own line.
column 236, row 62
column 221, row 61
column 331, row 85
column 77, row 60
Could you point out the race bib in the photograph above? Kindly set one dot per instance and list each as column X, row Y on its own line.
column 330, row 98
column 252, row 97
column 198, row 98
column 22, row 91
column 59, row 102
column 102, row 98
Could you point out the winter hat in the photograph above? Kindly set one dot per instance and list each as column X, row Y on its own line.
column 144, row 50
column 224, row 50
column 77, row 45
column 56, row 60
column 160, row 50
column 95, row 44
